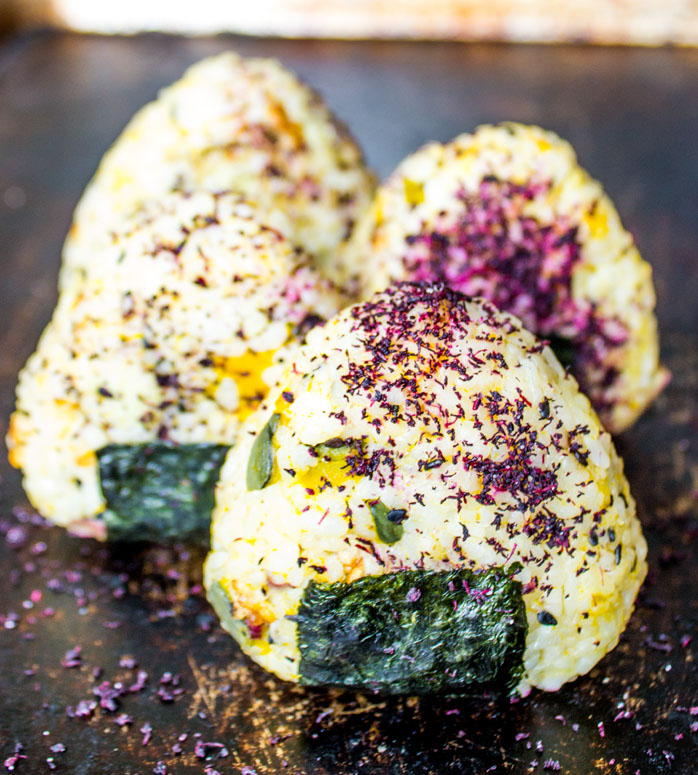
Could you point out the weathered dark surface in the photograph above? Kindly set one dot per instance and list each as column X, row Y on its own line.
column 633, row 117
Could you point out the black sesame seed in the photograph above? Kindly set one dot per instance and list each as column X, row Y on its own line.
column 398, row 516
column 546, row 618
column 619, row 553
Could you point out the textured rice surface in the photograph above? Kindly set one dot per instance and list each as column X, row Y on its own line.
column 507, row 213
column 238, row 124
column 172, row 336
column 450, row 410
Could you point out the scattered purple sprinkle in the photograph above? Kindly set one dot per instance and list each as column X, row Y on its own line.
column 84, row 709
column 141, row 678
column 16, row 537
column 72, row 658
column 146, row 729
column 108, row 694
column 12, row 761
column 203, row 749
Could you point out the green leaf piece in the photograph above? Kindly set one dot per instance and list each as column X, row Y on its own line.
column 159, row 491
column 389, row 532
column 261, row 460
column 415, row 632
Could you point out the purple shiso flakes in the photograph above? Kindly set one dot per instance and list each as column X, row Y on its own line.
column 84, row 584
column 523, row 266
column 202, row 750
column 140, row 682
column 493, row 240
column 108, row 694
column 72, row 658
column 146, row 731
column 12, row 761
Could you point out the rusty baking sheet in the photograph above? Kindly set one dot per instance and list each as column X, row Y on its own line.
column 81, row 624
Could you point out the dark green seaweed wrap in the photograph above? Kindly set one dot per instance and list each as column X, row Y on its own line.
column 415, row 632
column 160, row 491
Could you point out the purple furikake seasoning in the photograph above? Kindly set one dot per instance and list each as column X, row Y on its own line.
column 393, row 335
column 496, row 249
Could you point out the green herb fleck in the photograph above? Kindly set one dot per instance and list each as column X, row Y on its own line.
column 159, row 491
column 261, row 460
column 415, row 632
column 546, row 618
column 389, row 531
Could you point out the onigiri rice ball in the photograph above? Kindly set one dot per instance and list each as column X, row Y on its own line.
column 430, row 504
column 229, row 123
column 174, row 338
column 507, row 213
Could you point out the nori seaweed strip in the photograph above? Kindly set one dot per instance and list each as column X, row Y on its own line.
column 414, row 632
column 159, row 491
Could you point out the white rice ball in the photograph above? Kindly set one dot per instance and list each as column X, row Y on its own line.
column 423, row 433
column 247, row 125
column 508, row 214
column 176, row 335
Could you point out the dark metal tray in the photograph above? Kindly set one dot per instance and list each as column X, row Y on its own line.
column 632, row 115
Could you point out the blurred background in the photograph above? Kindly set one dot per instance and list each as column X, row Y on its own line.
column 633, row 22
